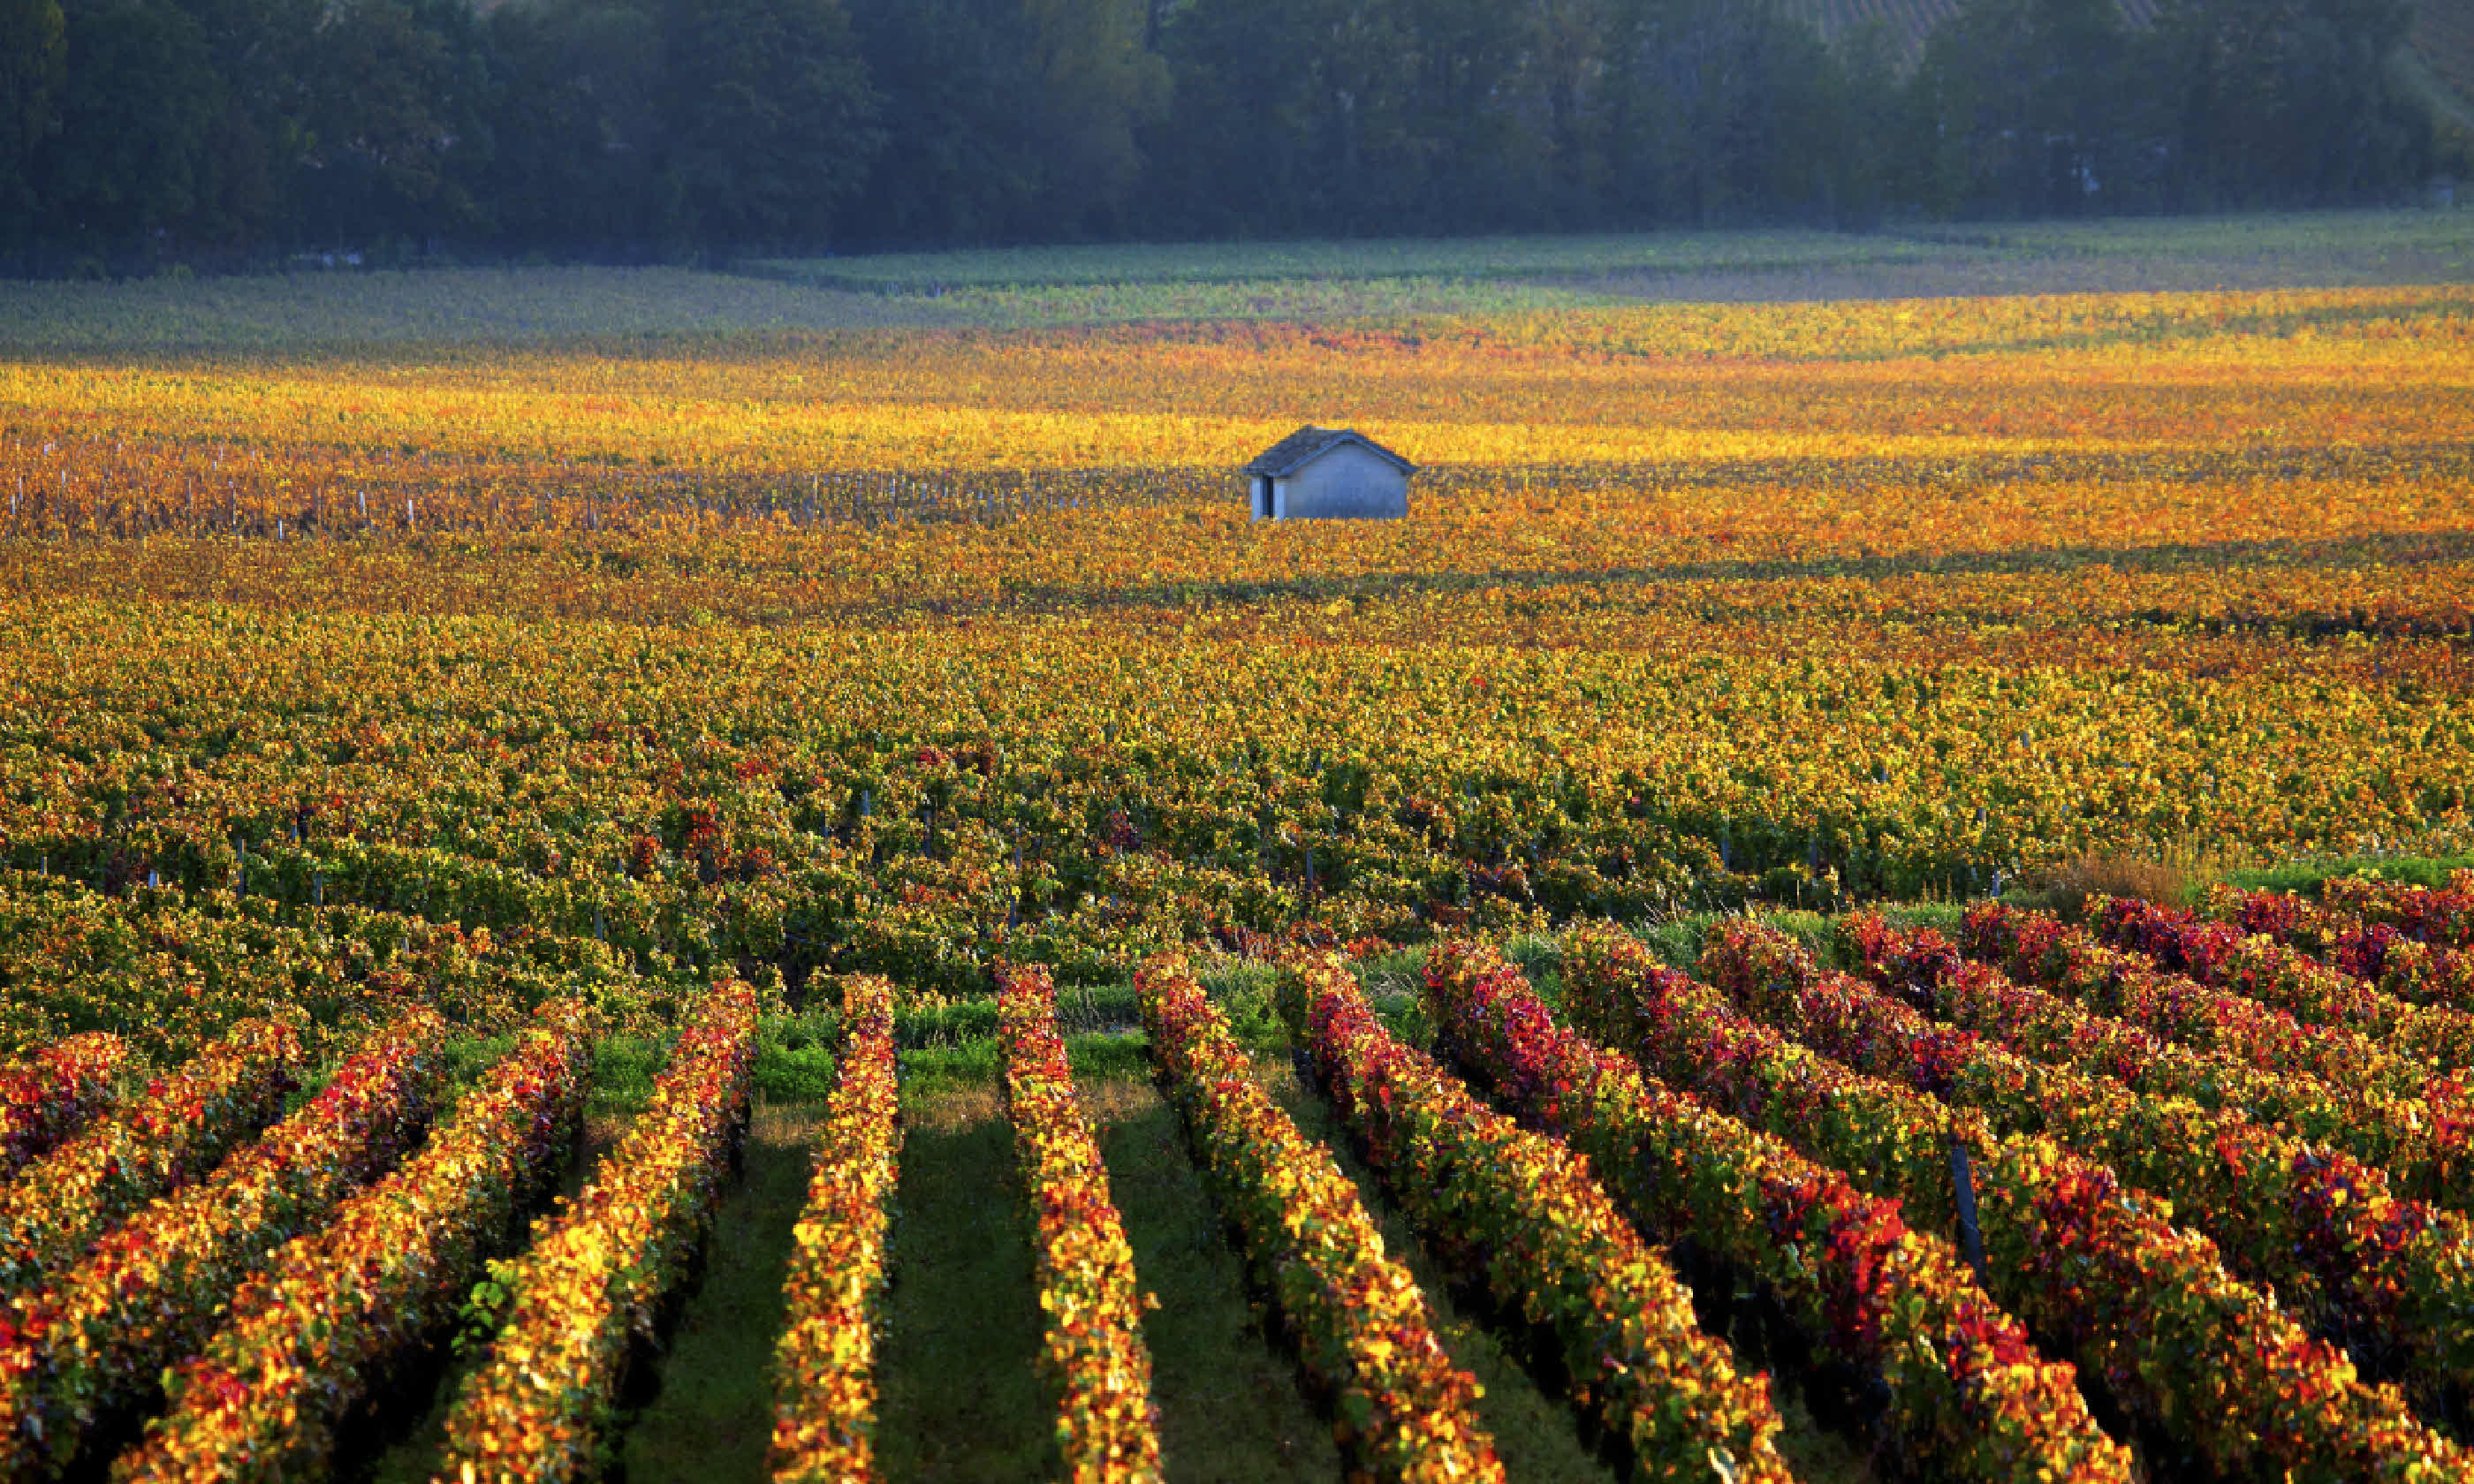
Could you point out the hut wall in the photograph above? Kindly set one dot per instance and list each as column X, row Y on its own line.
column 1347, row 483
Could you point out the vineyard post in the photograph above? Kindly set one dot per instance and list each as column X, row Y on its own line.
column 1649, row 1204
column 1963, row 1184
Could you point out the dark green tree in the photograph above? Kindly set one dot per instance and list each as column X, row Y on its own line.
column 2293, row 102
column 263, row 50
column 575, row 147
column 1472, row 155
column 398, row 122
column 1099, row 83
column 1719, row 112
column 132, row 163
column 959, row 164
column 34, row 57
column 2023, row 104
column 133, row 130
column 772, row 122
column 1863, row 124
column 1565, row 108
column 1245, row 151
column 1335, row 116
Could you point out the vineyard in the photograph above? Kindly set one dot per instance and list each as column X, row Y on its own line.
column 1869, row 889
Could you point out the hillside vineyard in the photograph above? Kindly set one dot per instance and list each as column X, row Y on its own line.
column 819, row 799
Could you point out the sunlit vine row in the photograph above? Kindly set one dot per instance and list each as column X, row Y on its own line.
column 84, row 1347
column 1092, row 1351
column 1966, row 1388
column 824, row 1410
column 2148, row 1306
column 2071, row 962
column 2440, row 917
column 1362, row 1326
column 2319, row 1226
column 539, row 1405
column 54, row 1092
column 1524, row 1213
column 308, row 1338
column 2424, row 1154
column 2380, row 954
column 175, row 1132
column 2259, row 968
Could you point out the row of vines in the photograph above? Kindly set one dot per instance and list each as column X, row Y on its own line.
column 2013, row 1210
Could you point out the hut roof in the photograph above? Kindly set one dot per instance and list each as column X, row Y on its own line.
column 1308, row 444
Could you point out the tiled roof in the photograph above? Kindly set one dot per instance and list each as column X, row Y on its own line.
column 1309, row 443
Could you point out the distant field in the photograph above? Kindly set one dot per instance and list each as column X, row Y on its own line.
column 2301, row 235
column 1387, row 281
column 1303, row 299
column 436, row 307
column 1326, row 281
column 1321, row 281
column 1467, row 258
column 1516, row 258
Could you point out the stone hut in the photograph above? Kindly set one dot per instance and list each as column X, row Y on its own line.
column 1329, row 474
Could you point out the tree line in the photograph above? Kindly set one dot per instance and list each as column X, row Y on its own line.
column 141, row 132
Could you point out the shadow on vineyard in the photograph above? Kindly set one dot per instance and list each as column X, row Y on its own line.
column 1733, row 593
column 961, row 1396
column 710, row 1412
column 1231, row 1407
